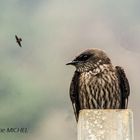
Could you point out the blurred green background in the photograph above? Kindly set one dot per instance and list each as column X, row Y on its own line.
column 34, row 81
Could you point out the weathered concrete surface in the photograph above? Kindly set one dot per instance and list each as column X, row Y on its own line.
column 105, row 125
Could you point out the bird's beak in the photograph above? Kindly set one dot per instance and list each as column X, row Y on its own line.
column 72, row 63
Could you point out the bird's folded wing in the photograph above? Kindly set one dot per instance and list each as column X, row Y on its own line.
column 124, row 86
column 74, row 94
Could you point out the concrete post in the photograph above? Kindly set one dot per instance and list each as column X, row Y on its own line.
column 105, row 124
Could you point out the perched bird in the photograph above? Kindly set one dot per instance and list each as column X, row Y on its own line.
column 97, row 84
column 18, row 40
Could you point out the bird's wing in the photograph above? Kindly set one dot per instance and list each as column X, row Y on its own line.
column 124, row 86
column 19, row 43
column 16, row 37
column 74, row 94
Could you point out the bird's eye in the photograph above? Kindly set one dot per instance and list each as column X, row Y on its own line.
column 84, row 57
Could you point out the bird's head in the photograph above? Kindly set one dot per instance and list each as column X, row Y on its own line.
column 89, row 60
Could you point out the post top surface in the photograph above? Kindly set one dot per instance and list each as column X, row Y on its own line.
column 105, row 110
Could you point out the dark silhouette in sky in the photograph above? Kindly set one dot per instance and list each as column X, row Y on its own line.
column 18, row 40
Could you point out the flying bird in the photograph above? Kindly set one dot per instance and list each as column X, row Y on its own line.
column 18, row 40
column 97, row 84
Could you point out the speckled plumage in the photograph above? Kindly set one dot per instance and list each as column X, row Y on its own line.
column 98, row 90
column 97, row 84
